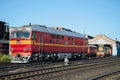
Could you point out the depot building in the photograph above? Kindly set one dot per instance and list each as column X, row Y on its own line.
column 105, row 45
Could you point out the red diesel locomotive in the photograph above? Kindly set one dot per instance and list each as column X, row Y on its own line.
column 38, row 42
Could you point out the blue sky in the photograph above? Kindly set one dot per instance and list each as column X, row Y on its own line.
column 90, row 16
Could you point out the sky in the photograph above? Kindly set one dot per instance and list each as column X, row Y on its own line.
column 90, row 16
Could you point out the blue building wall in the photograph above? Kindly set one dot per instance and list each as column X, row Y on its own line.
column 118, row 48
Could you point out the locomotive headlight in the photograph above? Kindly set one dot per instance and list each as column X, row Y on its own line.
column 11, row 49
column 27, row 49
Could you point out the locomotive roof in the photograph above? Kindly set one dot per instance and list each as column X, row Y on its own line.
column 51, row 30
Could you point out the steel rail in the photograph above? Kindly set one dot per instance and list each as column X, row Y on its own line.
column 106, row 75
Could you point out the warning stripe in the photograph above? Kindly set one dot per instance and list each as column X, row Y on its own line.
column 43, row 44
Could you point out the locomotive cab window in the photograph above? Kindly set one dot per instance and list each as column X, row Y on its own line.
column 20, row 34
column 34, row 35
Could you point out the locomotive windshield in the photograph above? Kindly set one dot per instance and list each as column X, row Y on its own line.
column 20, row 34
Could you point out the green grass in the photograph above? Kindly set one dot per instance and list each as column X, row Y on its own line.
column 5, row 58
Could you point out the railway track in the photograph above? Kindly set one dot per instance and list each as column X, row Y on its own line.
column 8, row 65
column 46, row 72
column 25, row 67
column 114, row 75
column 62, row 71
column 13, row 68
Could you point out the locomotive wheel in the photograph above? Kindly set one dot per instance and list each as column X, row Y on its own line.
column 34, row 58
column 83, row 56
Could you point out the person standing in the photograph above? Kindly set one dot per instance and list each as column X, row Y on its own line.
column 66, row 60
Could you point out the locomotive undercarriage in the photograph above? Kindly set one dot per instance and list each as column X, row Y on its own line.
column 44, row 57
column 39, row 57
column 56, row 56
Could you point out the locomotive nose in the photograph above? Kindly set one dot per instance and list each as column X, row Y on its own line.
column 20, row 59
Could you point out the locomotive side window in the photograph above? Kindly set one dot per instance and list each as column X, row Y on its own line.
column 57, row 36
column 50, row 41
column 34, row 35
column 70, row 38
column 53, row 36
column 62, row 37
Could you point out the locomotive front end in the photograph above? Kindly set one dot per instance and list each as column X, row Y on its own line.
column 20, row 45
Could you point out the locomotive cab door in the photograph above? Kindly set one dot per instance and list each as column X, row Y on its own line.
column 39, row 42
column 40, row 46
